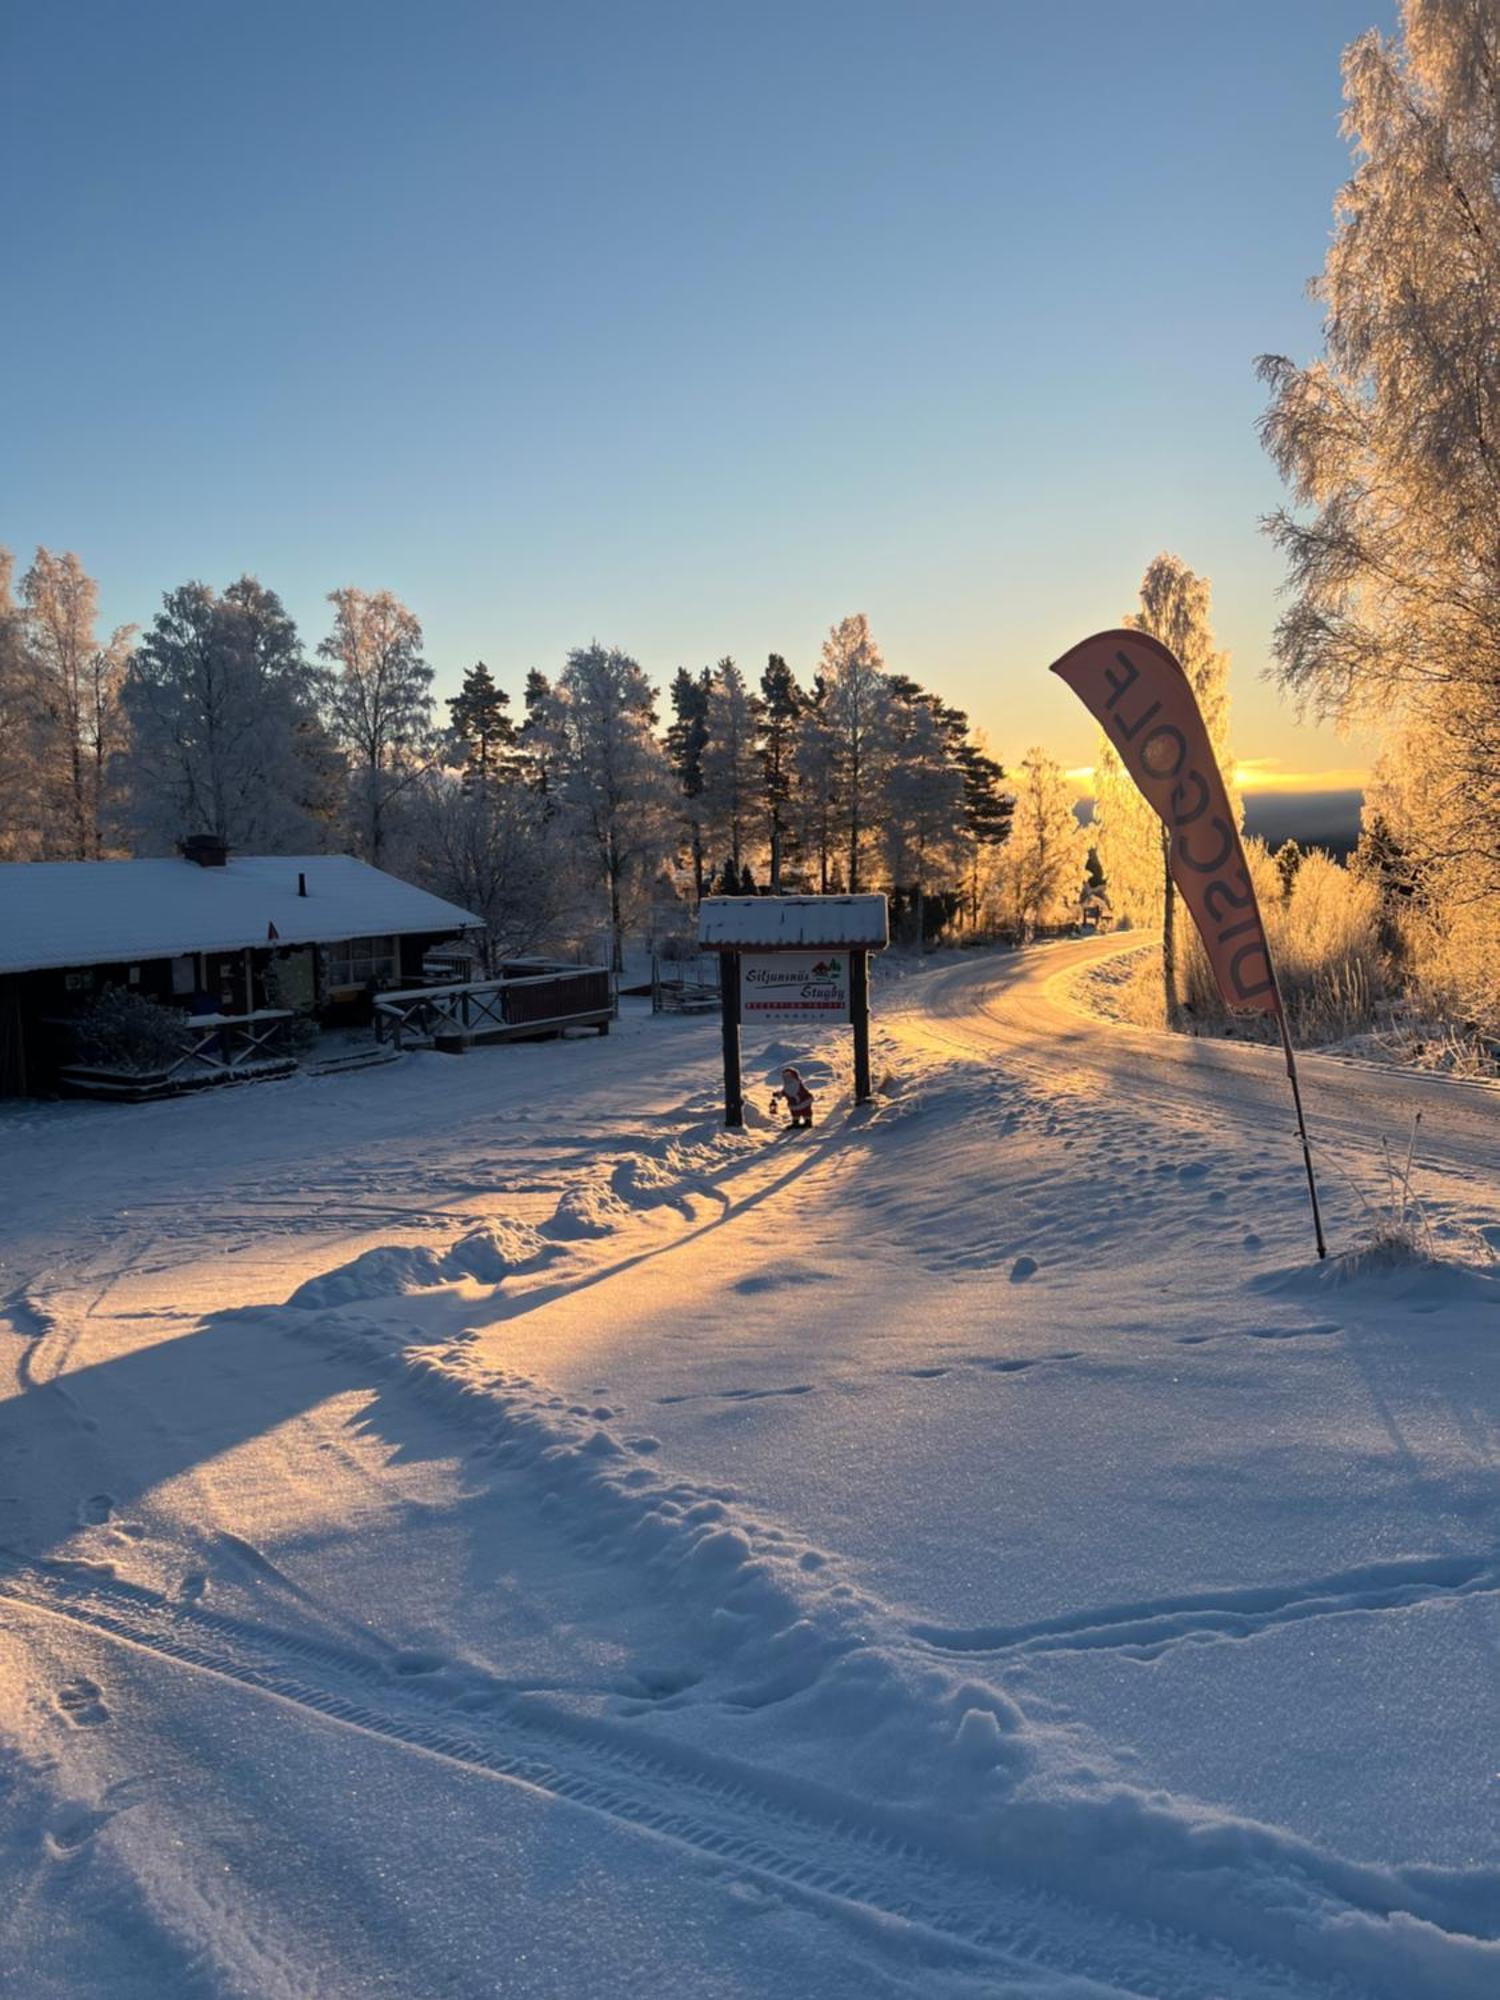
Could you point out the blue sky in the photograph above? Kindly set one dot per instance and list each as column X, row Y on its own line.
column 690, row 327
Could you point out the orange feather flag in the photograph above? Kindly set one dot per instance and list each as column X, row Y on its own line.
column 1134, row 687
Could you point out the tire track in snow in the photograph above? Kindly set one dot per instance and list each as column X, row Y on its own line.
column 1151, row 1627
column 846, row 1862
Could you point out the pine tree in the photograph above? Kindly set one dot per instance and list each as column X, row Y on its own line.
column 988, row 799
column 815, row 762
column 1380, row 856
column 922, row 808
column 782, row 703
column 532, row 736
column 686, row 736
column 731, row 769
column 480, row 724
column 1288, row 858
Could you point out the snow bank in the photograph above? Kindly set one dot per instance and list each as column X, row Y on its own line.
column 1375, row 1275
column 488, row 1254
column 585, row 1212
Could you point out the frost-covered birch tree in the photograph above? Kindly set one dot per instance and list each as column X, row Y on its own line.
column 1390, row 440
column 75, row 689
column 379, row 708
column 20, row 809
column 489, row 847
column 225, row 736
column 611, row 775
column 1043, row 862
column 922, row 807
column 857, row 713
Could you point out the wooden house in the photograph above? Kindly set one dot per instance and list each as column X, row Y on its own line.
column 229, row 939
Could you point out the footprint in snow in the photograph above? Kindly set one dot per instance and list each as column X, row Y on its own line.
column 1022, row 1269
column 80, row 1703
column 410, row 1664
column 71, row 1826
column 96, row 1510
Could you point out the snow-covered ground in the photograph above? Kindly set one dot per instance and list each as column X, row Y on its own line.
column 473, row 1527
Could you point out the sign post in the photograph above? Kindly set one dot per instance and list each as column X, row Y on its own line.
column 729, row 1000
column 859, row 1015
column 792, row 959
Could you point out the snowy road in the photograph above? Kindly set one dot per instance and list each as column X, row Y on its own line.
column 476, row 1528
column 1025, row 1017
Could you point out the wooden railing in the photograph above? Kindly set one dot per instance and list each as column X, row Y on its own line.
column 496, row 1009
column 215, row 1048
column 684, row 985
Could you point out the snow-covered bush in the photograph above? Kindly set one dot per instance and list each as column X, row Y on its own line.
column 1324, row 934
column 1455, row 969
column 127, row 1031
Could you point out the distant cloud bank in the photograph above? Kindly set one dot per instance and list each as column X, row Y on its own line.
column 1313, row 818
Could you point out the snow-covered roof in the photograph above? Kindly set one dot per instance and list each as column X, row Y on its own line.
column 57, row 913
column 770, row 923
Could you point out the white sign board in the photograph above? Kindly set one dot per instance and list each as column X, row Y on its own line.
column 794, row 986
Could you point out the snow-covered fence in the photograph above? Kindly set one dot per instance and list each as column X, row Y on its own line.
column 214, row 1048
column 684, row 982
column 493, row 1010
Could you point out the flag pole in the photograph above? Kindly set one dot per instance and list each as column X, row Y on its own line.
column 1291, row 1070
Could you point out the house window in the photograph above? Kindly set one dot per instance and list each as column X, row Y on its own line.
column 359, row 961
